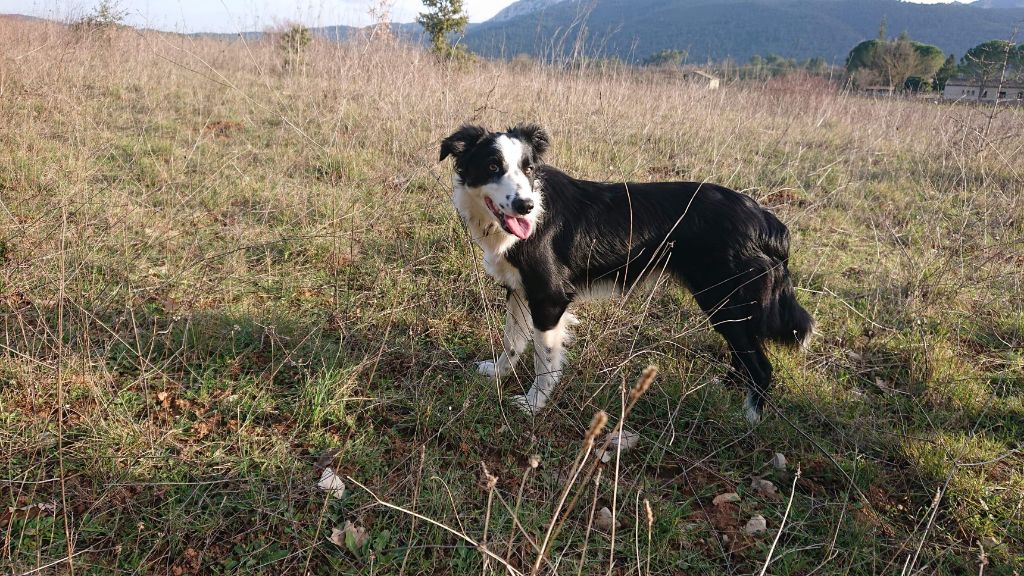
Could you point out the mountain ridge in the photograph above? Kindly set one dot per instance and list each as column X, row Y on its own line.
column 634, row 29
column 522, row 8
column 713, row 30
column 999, row 3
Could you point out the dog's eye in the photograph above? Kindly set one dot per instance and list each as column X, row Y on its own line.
column 493, row 167
column 528, row 170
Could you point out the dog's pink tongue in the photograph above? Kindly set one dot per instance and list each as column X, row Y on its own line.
column 520, row 227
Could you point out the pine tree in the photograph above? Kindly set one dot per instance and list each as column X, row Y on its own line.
column 442, row 18
column 989, row 63
column 949, row 69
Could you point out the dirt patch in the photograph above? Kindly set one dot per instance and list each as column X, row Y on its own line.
column 727, row 521
column 223, row 128
column 783, row 196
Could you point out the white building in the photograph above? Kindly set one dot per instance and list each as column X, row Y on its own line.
column 700, row 78
column 968, row 90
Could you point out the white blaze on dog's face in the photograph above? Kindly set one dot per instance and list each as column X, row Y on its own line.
column 497, row 171
column 511, row 195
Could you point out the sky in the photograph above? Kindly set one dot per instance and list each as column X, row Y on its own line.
column 244, row 15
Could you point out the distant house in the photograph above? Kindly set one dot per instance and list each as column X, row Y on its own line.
column 969, row 90
column 879, row 90
column 700, row 78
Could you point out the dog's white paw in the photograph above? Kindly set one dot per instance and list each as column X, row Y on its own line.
column 488, row 368
column 752, row 414
column 523, row 403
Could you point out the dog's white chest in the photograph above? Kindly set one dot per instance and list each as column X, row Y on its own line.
column 488, row 236
column 499, row 268
column 494, row 242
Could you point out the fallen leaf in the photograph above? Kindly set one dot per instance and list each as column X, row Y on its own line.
column 779, row 461
column 355, row 536
column 755, row 525
column 726, row 497
column 30, row 511
column 337, row 537
column 689, row 527
column 204, row 427
column 604, row 519
column 625, row 441
column 165, row 399
column 331, row 483
column 764, row 488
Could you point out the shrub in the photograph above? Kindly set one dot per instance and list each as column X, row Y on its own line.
column 293, row 44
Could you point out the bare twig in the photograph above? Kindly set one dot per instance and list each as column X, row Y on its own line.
column 480, row 548
column 782, row 525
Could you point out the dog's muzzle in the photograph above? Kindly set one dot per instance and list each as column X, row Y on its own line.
column 515, row 225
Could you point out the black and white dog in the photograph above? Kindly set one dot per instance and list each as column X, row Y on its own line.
column 551, row 238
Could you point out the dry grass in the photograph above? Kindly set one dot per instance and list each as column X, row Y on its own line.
column 212, row 271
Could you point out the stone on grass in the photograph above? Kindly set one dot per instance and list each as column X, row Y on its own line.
column 755, row 525
column 726, row 497
column 779, row 461
column 331, row 483
column 603, row 519
column 764, row 487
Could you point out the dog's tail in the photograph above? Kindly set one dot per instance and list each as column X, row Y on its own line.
column 783, row 319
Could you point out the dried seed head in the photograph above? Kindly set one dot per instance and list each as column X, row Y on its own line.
column 646, row 377
column 650, row 513
column 596, row 425
column 490, row 480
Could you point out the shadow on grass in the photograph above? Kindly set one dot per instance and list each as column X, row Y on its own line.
column 195, row 437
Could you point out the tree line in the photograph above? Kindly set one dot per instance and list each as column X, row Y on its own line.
column 901, row 64
column 895, row 64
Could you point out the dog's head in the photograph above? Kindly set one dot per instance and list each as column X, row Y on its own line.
column 499, row 170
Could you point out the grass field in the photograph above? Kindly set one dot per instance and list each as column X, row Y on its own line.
column 218, row 277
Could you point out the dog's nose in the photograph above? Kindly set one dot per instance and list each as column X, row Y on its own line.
column 522, row 205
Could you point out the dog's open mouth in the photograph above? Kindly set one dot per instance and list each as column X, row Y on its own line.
column 514, row 225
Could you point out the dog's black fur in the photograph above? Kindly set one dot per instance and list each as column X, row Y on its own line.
column 726, row 249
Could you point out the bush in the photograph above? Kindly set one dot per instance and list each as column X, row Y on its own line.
column 293, row 44
column 107, row 16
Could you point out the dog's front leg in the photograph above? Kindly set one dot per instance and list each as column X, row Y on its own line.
column 518, row 330
column 549, row 339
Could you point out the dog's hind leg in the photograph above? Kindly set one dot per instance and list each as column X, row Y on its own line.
column 518, row 331
column 731, row 314
column 757, row 377
column 750, row 365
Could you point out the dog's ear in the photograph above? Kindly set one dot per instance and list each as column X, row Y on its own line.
column 533, row 135
column 461, row 140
